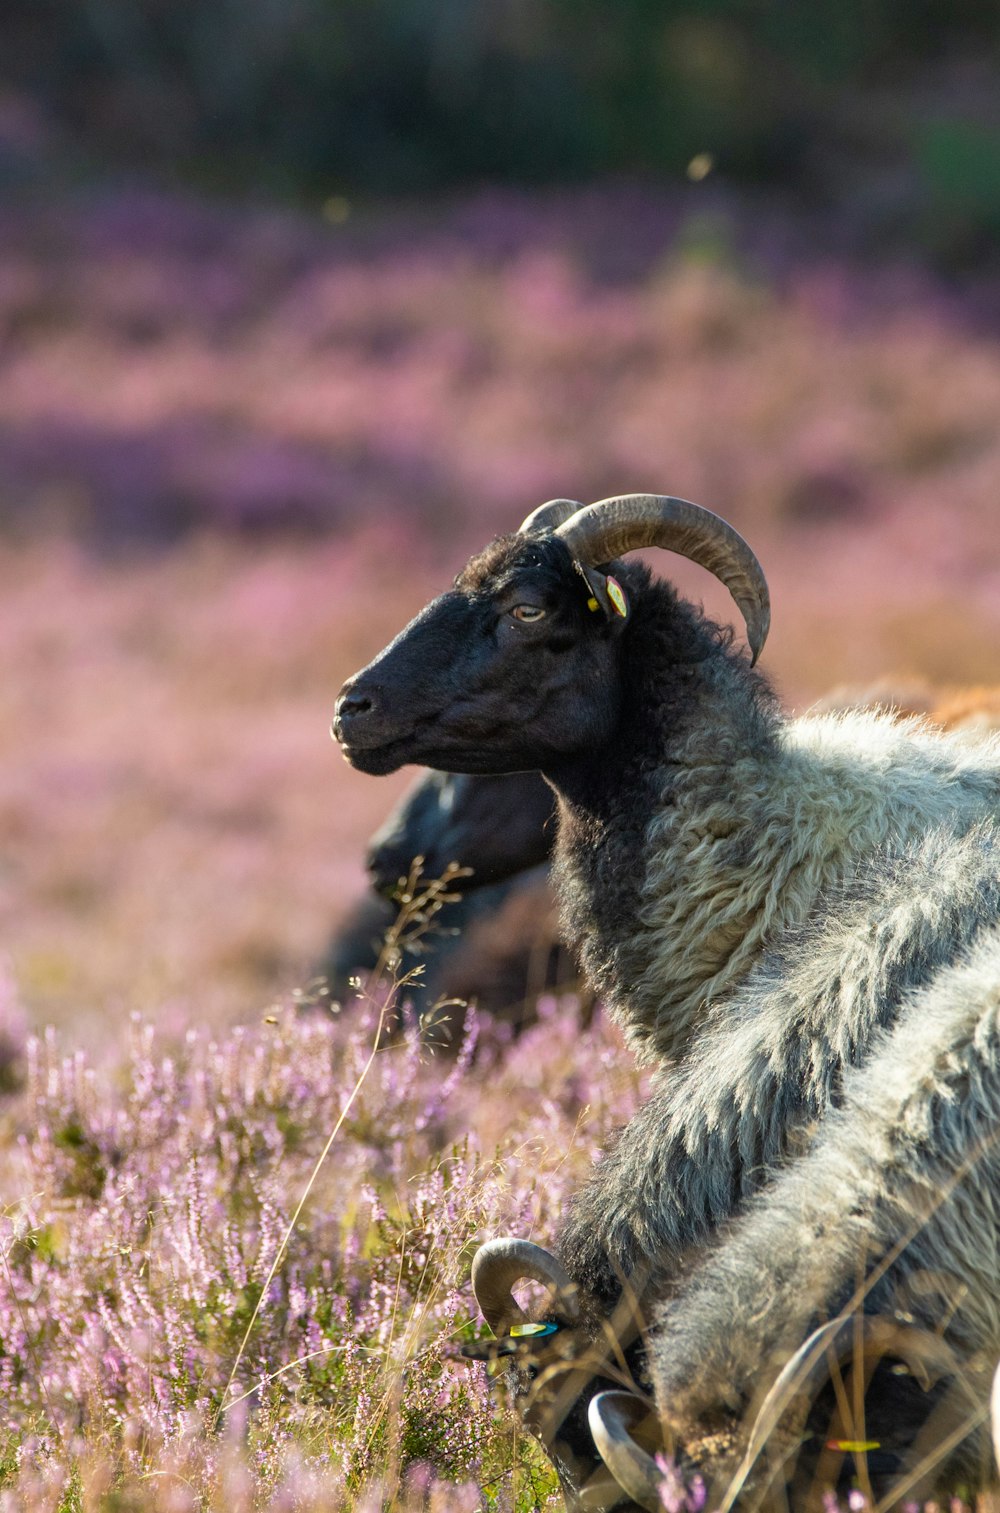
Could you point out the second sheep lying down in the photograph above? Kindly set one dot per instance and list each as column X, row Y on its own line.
column 498, row 943
column 780, row 909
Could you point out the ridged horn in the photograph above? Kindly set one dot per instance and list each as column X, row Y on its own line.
column 500, row 1263
column 549, row 516
column 927, row 1356
column 612, row 1417
column 608, row 529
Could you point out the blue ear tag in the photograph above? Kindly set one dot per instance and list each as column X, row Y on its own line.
column 616, row 594
column 532, row 1331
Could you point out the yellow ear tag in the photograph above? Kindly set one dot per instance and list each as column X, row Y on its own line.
column 618, row 601
column 592, row 604
column 531, row 1331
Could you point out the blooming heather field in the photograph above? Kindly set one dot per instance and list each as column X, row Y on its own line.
column 238, row 447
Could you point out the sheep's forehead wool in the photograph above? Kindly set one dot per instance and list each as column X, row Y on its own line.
column 509, row 558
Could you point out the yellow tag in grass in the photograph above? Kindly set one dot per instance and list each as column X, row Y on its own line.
column 618, row 601
column 854, row 1446
column 531, row 1331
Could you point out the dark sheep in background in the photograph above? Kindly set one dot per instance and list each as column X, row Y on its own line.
column 498, row 944
column 801, row 917
column 494, row 826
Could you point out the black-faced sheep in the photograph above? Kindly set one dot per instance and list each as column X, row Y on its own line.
column 800, row 917
column 499, row 943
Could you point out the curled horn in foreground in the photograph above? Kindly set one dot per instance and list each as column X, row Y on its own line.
column 627, row 1435
column 801, row 917
column 500, row 1264
column 554, row 1365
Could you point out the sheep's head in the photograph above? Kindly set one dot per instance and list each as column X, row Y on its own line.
column 558, row 1364
column 495, row 826
column 497, row 675
column 515, row 668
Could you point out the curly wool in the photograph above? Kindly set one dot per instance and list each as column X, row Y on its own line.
column 770, row 1061
column 735, row 824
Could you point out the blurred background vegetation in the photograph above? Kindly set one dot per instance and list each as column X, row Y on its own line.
column 888, row 107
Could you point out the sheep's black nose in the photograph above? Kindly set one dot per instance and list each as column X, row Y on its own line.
column 351, row 704
column 350, row 708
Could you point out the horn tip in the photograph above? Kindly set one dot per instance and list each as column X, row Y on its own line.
column 758, row 623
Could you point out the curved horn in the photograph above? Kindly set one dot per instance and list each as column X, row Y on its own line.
column 926, row 1355
column 498, row 1264
column 611, row 527
column 612, row 1417
column 548, row 517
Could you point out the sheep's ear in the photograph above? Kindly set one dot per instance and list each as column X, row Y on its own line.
column 606, row 594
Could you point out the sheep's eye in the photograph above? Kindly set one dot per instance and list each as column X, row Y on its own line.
column 527, row 612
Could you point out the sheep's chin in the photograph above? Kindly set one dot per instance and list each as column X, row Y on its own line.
column 378, row 761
